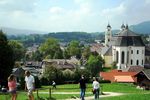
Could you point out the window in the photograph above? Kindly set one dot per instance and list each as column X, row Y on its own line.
column 122, row 57
column 142, row 62
column 142, row 51
column 137, row 62
column 131, row 51
column 131, row 61
column 137, row 51
column 117, row 56
column 128, row 57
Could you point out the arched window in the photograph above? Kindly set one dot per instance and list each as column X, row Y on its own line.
column 117, row 56
column 142, row 62
column 122, row 57
column 137, row 62
column 131, row 61
column 131, row 51
column 128, row 57
column 137, row 51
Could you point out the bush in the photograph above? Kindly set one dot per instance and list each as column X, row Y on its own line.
column 68, row 75
column 105, row 81
column 78, row 72
column 53, row 74
column 37, row 82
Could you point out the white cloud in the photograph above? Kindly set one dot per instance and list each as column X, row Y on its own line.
column 56, row 10
column 114, row 11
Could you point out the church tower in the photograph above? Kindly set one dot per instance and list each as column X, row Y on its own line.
column 108, row 35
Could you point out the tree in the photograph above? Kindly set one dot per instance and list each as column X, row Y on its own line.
column 68, row 75
column 18, row 50
column 74, row 49
column 86, row 52
column 94, row 64
column 37, row 56
column 51, row 49
column 6, row 58
column 114, row 65
column 51, row 73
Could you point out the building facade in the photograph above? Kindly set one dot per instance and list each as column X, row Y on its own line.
column 128, row 48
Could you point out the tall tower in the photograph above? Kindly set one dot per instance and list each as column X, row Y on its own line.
column 108, row 35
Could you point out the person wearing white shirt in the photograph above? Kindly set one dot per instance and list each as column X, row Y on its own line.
column 29, row 79
column 96, row 88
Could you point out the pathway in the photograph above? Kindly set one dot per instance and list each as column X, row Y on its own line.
column 106, row 94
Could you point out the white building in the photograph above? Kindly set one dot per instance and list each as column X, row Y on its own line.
column 128, row 48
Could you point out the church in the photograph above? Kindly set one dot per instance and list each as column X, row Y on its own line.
column 125, row 48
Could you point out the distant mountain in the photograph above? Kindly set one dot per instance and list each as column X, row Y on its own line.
column 13, row 31
column 142, row 28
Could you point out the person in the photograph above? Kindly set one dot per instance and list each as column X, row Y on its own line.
column 12, row 86
column 29, row 84
column 54, row 84
column 96, row 88
column 82, row 83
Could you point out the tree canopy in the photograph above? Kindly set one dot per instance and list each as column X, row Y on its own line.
column 18, row 49
column 6, row 58
column 74, row 49
column 51, row 49
column 94, row 64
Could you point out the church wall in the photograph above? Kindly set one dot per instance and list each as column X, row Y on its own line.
column 108, row 61
column 128, row 57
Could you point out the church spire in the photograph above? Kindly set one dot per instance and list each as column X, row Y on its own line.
column 123, row 26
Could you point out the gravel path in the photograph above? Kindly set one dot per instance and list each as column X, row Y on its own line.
column 106, row 94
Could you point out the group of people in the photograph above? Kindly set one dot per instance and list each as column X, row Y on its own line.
column 29, row 85
column 95, row 89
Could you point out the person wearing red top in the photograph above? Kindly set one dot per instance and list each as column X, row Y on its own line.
column 12, row 86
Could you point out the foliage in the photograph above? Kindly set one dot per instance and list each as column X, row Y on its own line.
column 78, row 72
column 86, row 52
column 68, row 75
column 51, row 49
column 74, row 49
column 18, row 49
column 94, row 64
column 51, row 73
column 37, row 56
column 114, row 65
column 6, row 58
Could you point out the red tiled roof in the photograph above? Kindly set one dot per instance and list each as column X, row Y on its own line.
column 118, row 74
column 124, row 79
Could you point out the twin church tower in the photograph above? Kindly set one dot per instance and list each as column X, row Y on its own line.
column 127, row 47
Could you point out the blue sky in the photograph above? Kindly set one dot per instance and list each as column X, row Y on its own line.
column 72, row 15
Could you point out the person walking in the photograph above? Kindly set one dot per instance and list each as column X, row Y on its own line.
column 96, row 88
column 12, row 86
column 82, row 83
column 54, row 84
column 29, row 84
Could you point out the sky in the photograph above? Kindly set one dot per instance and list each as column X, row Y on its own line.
column 72, row 15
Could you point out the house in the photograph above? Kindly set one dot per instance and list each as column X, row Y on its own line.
column 34, row 64
column 134, row 69
column 119, row 76
column 143, row 78
column 61, row 64
column 18, row 72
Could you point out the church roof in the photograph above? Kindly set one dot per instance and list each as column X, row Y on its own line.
column 128, row 38
column 109, row 52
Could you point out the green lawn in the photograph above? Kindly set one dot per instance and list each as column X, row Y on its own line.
column 130, row 91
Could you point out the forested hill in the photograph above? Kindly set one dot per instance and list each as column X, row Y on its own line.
column 28, row 40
